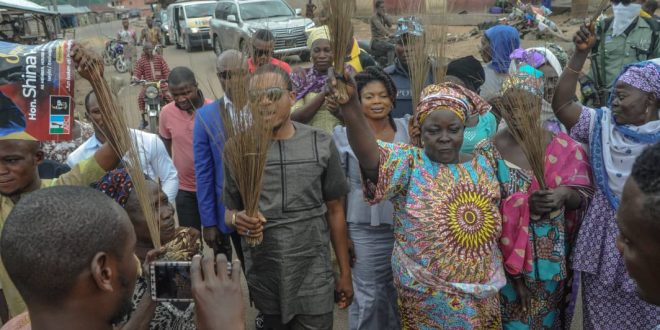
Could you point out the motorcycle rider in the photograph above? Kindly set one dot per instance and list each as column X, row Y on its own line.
column 128, row 37
column 381, row 34
column 151, row 67
column 151, row 34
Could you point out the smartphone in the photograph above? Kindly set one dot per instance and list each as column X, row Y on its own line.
column 171, row 281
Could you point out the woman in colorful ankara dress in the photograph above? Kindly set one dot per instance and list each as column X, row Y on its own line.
column 616, row 135
column 446, row 263
column 540, row 225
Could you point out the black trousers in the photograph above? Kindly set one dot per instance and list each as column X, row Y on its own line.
column 223, row 245
column 187, row 209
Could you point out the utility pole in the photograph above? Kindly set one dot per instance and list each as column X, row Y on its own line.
column 579, row 8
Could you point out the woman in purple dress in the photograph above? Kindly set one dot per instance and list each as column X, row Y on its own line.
column 615, row 135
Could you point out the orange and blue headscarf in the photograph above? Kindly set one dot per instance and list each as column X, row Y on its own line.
column 447, row 96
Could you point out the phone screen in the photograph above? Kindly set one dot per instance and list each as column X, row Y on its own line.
column 170, row 281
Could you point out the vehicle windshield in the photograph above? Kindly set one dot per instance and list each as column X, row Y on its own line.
column 163, row 16
column 200, row 10
column 265, row 9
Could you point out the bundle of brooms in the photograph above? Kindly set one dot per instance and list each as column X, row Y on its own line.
column 521, row 110
column 125, row 143
column 244, row 143
column 426, row 53
column 341, row 35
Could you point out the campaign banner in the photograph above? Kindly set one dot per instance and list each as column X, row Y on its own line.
column 36, row 90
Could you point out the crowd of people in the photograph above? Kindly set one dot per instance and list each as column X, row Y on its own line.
column 413, row 216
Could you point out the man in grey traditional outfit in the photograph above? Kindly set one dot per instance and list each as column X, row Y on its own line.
column 301, row 209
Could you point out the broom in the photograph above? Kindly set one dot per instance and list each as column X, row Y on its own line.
column 123, row 143
column 602, row 7
column 341, row 33
column 244, row 144
column 524, row 109
column 418, row 65
column 426, row 53
column 437, row 38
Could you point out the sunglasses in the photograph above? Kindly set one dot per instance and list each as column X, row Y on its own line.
column 262, row 52
column 226, row 75
column 273, row 94
column 625, row 2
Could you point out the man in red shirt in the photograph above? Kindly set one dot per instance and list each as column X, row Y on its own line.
column 151, row 67
column 177, row 120
column 263, row 45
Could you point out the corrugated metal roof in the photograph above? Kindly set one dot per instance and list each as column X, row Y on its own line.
column 24, row 5
column 67, row 10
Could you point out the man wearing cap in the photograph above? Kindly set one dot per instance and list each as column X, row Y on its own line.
column 407, row 30
column 381, row 25
column 20, row 155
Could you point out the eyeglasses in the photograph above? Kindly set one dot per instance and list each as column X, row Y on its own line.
column 625, row 2
column 228, row 74
column 273, row 94
column 261, row 52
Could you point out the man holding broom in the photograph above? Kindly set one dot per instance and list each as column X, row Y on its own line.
column 20, row 155
column 301, row 208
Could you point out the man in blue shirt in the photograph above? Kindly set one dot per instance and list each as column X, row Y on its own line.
column 208, row 142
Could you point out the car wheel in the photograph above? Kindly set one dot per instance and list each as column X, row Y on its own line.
column 121, row 65
column 177, row 42
column 217, row 47
column 107, row 60
column 305, row 56
column 153, row 125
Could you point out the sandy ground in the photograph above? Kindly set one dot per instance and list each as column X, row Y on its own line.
column 202, row 62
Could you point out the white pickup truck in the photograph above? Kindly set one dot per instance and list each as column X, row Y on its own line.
column 235, row 21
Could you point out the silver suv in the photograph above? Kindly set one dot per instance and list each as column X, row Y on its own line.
column 235, row 21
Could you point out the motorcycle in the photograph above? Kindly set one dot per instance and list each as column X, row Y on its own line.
column 153, row 101
column 113, row 54
column 383, row 59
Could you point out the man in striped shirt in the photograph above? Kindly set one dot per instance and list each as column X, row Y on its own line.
column 151, row 67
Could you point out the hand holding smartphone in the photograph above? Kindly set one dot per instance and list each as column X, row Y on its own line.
column 171, row 281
